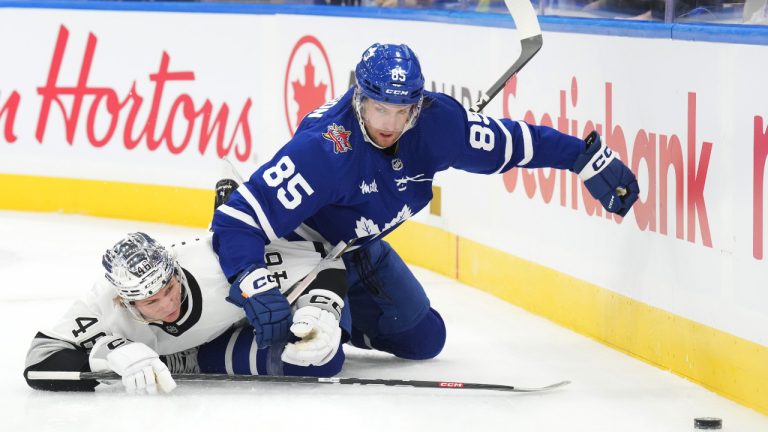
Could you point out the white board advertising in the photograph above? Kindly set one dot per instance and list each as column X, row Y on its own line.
column 156, row 97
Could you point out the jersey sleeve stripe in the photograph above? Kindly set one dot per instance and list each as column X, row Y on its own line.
column 260, row 215
column 507, row 144
column 527, row 144
column 237, row 214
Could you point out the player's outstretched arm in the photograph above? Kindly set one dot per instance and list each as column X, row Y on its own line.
column 50, row 354
column 65, row 345
column 482, row 144
column 492, row 145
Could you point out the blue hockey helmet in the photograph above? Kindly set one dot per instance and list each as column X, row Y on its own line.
column 391, row 74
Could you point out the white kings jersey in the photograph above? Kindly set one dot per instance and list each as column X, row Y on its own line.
column 205, row 312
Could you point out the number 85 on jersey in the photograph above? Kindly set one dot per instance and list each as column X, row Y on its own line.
column 292, row 186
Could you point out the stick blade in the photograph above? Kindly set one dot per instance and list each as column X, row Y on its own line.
column 531, row 41
column 524, row 14
column 542, row 389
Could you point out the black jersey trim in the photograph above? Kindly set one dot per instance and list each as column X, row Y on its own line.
column 75, row 360
column 331, row 279
column 319, row 249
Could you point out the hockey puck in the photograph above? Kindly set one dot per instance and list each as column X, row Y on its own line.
column 707, row 423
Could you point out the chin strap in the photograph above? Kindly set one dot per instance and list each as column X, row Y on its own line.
column 357, row 102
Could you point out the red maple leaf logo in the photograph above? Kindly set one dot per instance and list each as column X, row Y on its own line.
column 309, row 96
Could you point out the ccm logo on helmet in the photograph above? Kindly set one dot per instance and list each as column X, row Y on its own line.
column 396, row 92
column 451, row 384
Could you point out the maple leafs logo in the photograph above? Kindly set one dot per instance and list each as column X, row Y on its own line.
column 308, row 95
column 308, row 81
column 367, row 227
column 369, row 53
column 402, row 216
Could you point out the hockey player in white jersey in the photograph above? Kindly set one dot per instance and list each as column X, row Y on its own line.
column 156, row 303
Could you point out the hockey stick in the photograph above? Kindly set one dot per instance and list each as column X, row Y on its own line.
column 529, row 32
column 76, row 376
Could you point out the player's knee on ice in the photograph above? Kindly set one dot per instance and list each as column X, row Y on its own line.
column 390, row 309
column 422, row 342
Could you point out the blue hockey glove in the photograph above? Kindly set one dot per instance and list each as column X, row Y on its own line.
column 266, row 308
column 606, row 177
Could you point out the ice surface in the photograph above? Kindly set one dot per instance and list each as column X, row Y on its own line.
column 48, row 260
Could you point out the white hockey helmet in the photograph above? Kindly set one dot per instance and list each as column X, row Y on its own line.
column 138, row 267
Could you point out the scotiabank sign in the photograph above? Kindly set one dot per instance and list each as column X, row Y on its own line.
column 190, row 124
column 679, row 160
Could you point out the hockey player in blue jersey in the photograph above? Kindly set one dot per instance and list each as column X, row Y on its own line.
column 358, row 167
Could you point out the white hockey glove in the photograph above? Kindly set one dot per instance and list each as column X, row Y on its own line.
column 316, row 322
column 141, row 367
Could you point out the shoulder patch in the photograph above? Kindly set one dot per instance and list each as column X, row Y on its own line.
column 339, row 137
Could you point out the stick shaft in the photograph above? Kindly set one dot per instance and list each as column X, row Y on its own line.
column 53, row 375
column 298, row 289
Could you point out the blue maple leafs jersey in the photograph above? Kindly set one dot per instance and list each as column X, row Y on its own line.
column 328, row 184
